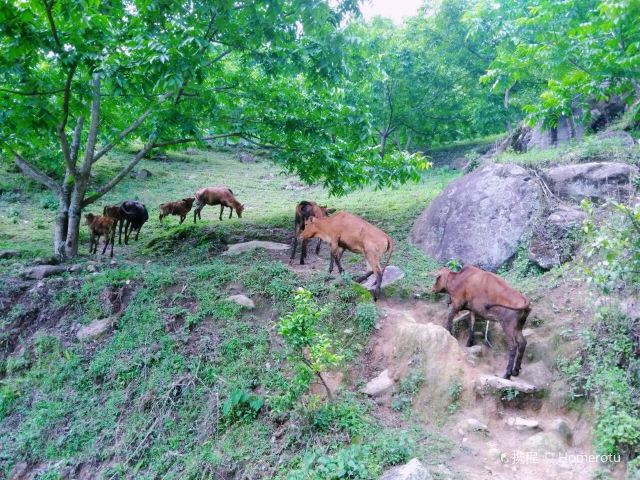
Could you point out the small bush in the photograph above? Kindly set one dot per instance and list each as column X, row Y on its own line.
column 366, row 316
column 241, row 406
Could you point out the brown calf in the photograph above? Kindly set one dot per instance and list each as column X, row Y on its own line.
column 99, row 226
column 180, row 208
column 304, row 211
column 115, row 212
column 489, row 296
column 222, row 196
column 347, row 231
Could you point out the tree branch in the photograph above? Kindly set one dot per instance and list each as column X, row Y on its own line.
column 35, row 173
column 31, row 94
column 114, row 181
column 201, row 139
column 75, row 146
column 93, row 125
column 48, row 7
column 64, row 143
column 135, row 124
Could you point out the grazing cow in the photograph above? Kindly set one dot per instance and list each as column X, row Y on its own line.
column 489, row 296
column 134, row 215
column 222, row 196
column 347, row 231
column 180, row 208
column 304, row 211
column 99, row 226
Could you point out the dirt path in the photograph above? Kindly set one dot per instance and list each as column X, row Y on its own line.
column 530, row 439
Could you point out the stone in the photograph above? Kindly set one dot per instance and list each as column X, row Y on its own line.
column 490, row 384
column 238, row 248
column 245, row 157
column 9, row 254
column 94, row 330
column 379, row 384
column 143, row 174
column 543, row 138
column 594, row 180
column 543, row 443
column 481, row 218
column 41, row 271
column 471, row 425
column 625, row 138
column 192, row 151
column 20, row 471
column 561, row 428
column 91, row 267
column 391, row 275
column 522, row 424
column 475, row 350
column 76, row 268
column 413, row 470
column 242, row 300
column 567, row 216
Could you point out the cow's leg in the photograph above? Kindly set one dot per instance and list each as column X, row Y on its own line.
column 454, row 308
column 303, row 251
column 318, row 247
column 294, row 246
column 160, row 218
column 472, row 322
column 336, row 253
column 196, row 212
column 221, row 211
column 138, row 232
column 106, row 243
column 91, row 237
column 120, row 222
column 126, row 232
column 230, row 212
column 513, row 349
column 182, row 218
column 522, row 344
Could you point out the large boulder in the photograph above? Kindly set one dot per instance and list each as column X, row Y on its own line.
column 554, row 241
column 594, row 180
column 480, row 218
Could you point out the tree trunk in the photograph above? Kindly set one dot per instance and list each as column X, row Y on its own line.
column 75, row 217
column 383, row 143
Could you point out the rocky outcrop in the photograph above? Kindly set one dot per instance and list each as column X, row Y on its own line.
column 94, row 330
column 594, row 180
column 379, row 384
column 480, row 218
column 553, row 241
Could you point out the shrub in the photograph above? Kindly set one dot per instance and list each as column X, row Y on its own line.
column 241, row 406
column 366, row 316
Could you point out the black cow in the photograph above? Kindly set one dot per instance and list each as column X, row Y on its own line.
column 134, row 215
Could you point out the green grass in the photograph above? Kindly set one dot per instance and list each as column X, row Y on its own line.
column 148, row 400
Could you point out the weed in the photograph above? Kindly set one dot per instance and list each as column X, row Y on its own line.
column 455, row 393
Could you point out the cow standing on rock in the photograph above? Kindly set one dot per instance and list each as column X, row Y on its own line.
column 489, row 296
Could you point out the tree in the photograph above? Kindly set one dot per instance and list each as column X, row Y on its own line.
column 79, row 78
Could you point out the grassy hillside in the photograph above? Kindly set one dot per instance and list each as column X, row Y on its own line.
column 148, row 399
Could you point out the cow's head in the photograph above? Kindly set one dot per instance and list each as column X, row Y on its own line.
column 441, row 278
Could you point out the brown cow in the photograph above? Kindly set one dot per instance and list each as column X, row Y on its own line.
column 304, row 211
column 222, row 196
column 180, row 208
column 489, row 296
column 347, row 231
column 99, row 226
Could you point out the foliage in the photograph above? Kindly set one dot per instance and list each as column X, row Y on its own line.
column 552, row 57
column 242, row 406
column 614, row 249
column 312, row 351
column 366, row 316
column 407, row 389
column 455, row 392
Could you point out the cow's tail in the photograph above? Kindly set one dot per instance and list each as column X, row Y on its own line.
column 390, row 250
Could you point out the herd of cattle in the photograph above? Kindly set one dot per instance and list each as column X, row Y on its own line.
column 481, row 293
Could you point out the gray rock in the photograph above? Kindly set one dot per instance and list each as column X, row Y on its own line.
column 242, row 300
column 624, row 138
column 237, row 248
column 594, row 180
column 92, row 267
column 522, row 424
column 544, row 443
column 480, row 218
column 471, row 425
column 143, row 174
column 391, row 275
column 543, row 253
column 542, row 138
column 192, row 151
column 41, row 271
column 20, row 471
column 561, row 428
column 475, row 350
column 490, row 384
column 9, row 254
column 413, row 470
column 563, row 215
column 379, row 384
column 94, row 330
column 76, row 268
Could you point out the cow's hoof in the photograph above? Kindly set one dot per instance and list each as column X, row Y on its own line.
column 507, row 376
column 515, row 373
